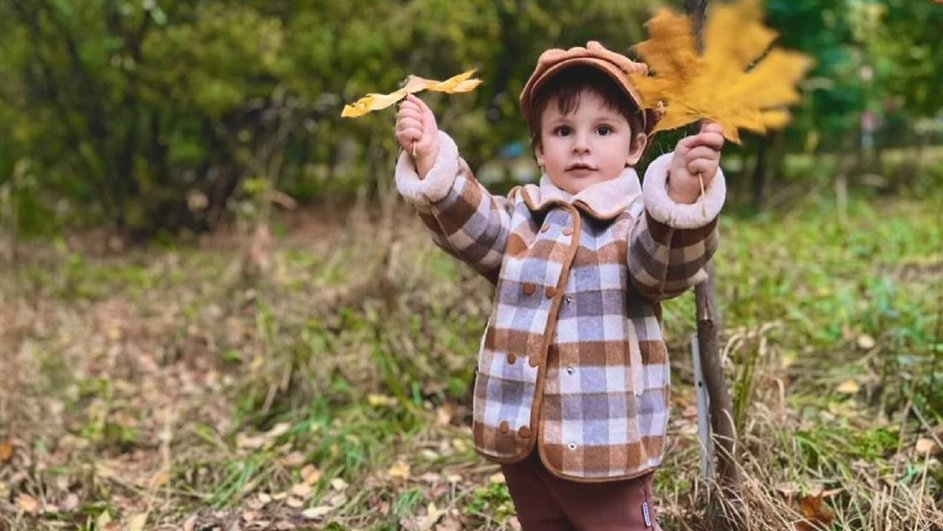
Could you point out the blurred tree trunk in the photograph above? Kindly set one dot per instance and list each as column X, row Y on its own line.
column 721, row 406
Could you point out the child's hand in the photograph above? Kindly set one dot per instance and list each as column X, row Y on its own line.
column 417, row 133
column 695, row 155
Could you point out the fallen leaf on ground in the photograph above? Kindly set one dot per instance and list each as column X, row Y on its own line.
column 137, row 522
column 433, row 514
column 70, row 503
column 866, row 342
column 399, row 470
column 293, row 460
column 190, row 523
column 376, row 400
column 316, row 512
column 338, row 484
column 302, row 490
column 927, row 446
column 27, row 504
column 278, row 430
column 295, row 503
column 6, row 452
column 444, row 414
column 310, row 474
column 849, row 387
column 815, row 511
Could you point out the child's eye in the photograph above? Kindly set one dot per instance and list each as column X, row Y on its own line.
column 563, row 130
column 604, row 130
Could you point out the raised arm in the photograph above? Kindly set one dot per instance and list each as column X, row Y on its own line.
column 465, row 219
column 676, row 235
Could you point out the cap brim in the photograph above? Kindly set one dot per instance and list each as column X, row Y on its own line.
column 621, row 79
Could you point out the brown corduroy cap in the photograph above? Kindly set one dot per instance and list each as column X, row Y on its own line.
column 615, row 65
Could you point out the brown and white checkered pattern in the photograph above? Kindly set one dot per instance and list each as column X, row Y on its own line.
column 572, row 359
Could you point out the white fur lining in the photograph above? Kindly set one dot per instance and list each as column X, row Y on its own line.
column 423, row 192
column 603, row 200
column 678, row 215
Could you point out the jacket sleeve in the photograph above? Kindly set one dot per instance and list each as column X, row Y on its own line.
column 671, row 243
column 465, row 219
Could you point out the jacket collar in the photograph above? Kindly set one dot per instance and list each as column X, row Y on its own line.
column 603, row 201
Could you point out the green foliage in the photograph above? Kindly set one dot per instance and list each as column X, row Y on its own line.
column 151, row 116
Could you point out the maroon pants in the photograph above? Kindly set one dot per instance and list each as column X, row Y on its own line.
column 545, row 502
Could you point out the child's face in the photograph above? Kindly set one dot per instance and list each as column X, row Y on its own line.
column 591, row 144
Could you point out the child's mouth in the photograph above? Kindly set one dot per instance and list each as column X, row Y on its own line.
column 580, row 167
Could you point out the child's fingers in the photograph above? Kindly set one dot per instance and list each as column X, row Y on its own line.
column 421, row 105
column 409, row 110
column 704, row 167
column 409, row 134
column 711, row 139
column 703, row 152
column 711, row 127
column 684, row 145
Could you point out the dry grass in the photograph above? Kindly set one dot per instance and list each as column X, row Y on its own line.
column 331, row 390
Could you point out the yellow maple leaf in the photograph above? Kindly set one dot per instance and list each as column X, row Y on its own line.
column 739, row 82
column 374, row 102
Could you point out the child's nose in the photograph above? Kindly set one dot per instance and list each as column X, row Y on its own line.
column 580, row 143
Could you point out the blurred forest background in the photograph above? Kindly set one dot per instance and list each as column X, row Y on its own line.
column 215, row 312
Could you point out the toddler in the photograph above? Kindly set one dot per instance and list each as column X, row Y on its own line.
column 571, row 387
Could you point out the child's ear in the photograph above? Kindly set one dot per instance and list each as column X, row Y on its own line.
column 539, row 152
column 636, row 148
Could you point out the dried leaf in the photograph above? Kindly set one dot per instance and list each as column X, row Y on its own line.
column 376, row 400
column 6, row 452
column 444, row 414
column 27, row 504
column 310, row 474
column 103, row 520
column 295, row 503
column 293, row 460
column 866, row 342
column 190, row 523
column 316, row 512
column 399, row 470
column 927, row 446
column 302, row 490
column 137, row 522
column 70, row 503
column 733, row 83
column 433, row 514
column 849, row 387
column 413, row 84
column 338, row 484
column 816, row 513
column 278, row 430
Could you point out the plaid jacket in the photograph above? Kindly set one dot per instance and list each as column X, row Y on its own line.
column 572, row 358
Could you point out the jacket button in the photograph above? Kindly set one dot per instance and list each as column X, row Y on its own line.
column 524, row 432
column 568, row 299
column 511, row 358
column 568, row 231
column 533, row 361
column 550, row 292
column 528, row 288
column 571, row 446
column 570, row 370
column 504, row 427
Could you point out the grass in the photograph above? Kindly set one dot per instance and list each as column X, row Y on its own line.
column 332, row 391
